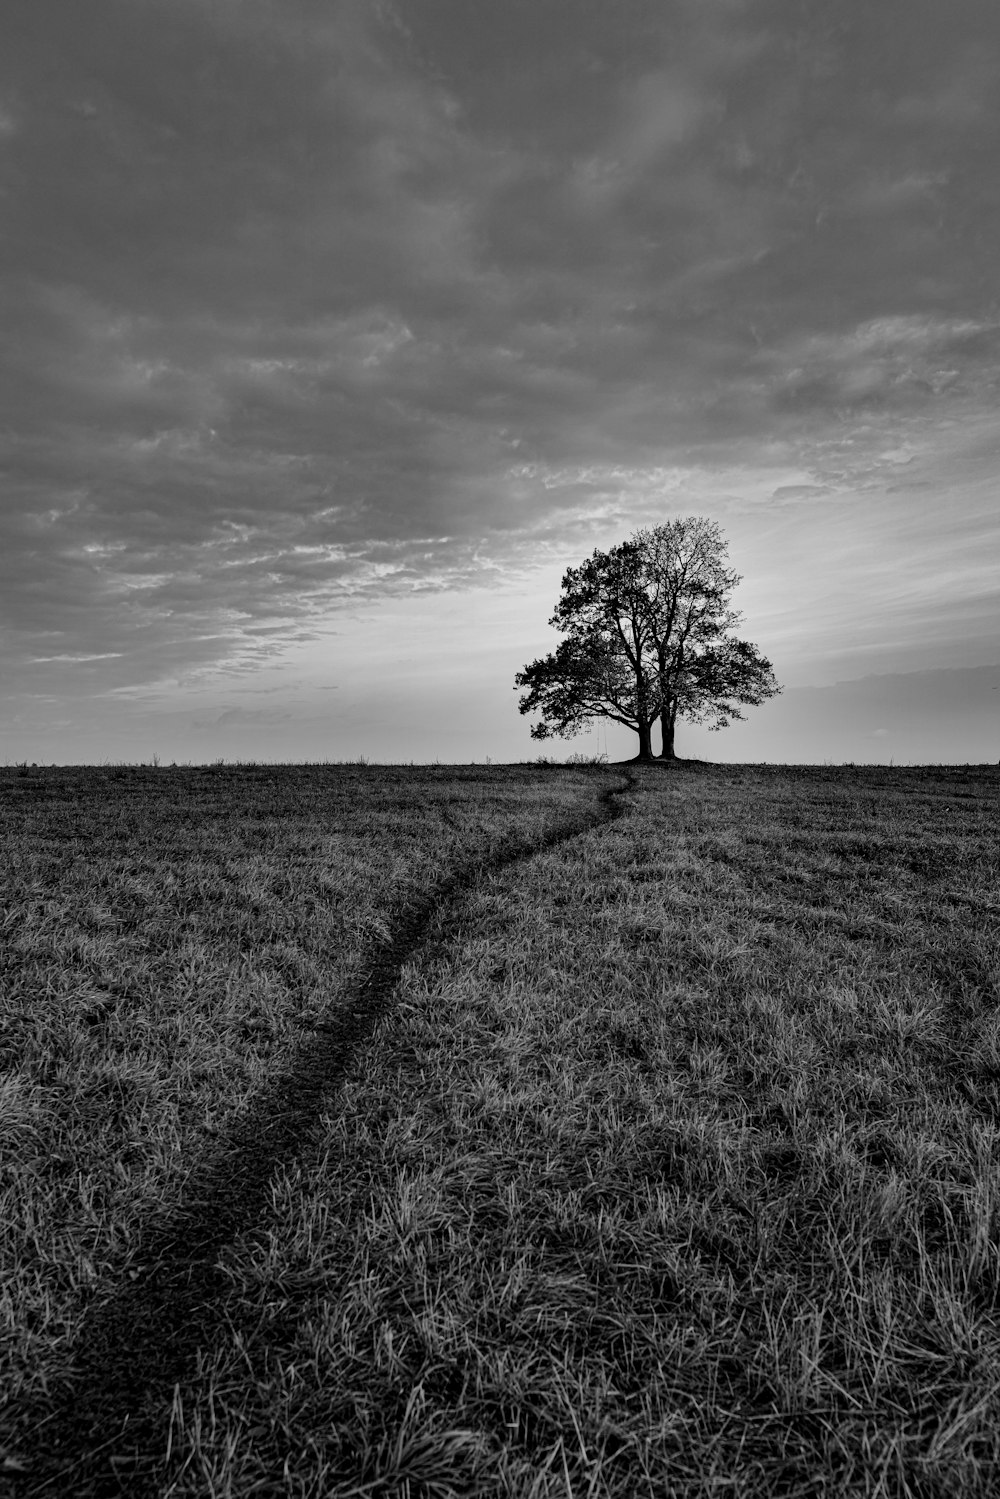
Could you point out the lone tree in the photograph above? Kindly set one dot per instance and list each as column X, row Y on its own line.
column 647, row 630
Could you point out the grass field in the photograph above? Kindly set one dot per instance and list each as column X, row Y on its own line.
column 665, row 1164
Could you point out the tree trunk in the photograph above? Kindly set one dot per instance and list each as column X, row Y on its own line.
column 667, row 719
column 645, row 742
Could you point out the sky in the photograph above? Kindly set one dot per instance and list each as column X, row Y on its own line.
column 334, row 331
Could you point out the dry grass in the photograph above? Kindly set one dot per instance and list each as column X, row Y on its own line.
column 167, row 937
column 674, row 1171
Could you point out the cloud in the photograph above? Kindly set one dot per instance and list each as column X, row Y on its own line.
column 792, row 492
column 899, row 361
column 80, row 658
column 309, row 306
column 660, row 112
column 962, row 96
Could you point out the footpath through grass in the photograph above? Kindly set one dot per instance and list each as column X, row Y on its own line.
column 673, row 1172
column 167, row 937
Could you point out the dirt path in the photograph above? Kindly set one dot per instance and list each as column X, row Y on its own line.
column 104, row 1432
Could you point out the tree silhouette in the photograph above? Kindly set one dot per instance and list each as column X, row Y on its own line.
column 647, row 630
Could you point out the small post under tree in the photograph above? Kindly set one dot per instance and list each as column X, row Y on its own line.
column 647, row 631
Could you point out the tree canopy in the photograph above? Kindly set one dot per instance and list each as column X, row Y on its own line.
column 648, row 637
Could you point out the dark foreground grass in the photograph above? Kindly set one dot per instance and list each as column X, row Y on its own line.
column 168, row 940
column 673, row 1172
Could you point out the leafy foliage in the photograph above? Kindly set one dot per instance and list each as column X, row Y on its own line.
column 647, row 635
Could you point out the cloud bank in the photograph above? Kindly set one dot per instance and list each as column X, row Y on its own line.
column 313, row 306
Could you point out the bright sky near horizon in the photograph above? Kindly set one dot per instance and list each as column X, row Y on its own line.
column 335, row 330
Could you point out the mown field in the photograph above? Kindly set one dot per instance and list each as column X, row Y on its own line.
column 670, row 1169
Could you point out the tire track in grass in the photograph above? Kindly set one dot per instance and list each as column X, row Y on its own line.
column 103, row 1433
